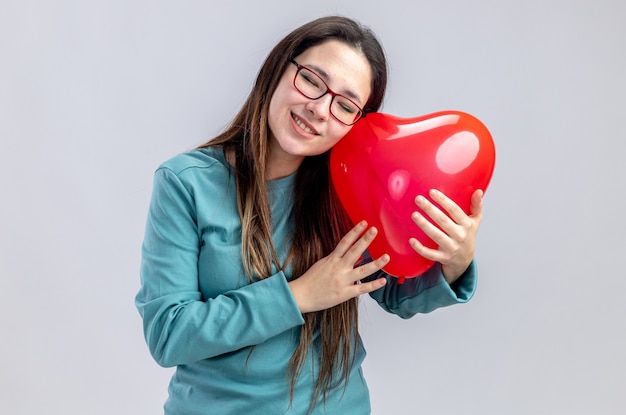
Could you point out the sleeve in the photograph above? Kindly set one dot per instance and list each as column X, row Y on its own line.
column 179, row 326
column 425, row 293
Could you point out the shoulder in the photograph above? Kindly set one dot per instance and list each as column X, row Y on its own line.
column 209, row 158
column 203, row 168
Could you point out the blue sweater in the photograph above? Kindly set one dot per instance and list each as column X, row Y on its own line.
column 201, row 314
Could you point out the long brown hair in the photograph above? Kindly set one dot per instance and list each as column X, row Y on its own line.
column 319, row 219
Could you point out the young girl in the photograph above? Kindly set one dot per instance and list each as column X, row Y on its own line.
column 251, row 269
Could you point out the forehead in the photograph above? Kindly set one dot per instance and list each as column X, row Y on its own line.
column 344, row 68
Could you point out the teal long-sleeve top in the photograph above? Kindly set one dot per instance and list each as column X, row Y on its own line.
column 231, row 340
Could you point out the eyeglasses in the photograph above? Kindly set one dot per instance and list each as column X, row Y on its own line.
column 312, row 86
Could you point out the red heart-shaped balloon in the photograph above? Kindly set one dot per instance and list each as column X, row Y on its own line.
column 384, row 162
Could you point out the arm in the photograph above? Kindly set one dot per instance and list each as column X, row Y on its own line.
column 425, row 293
column 179, row 325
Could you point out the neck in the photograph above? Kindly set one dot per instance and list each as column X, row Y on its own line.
column 277, row 169
column 280, row 163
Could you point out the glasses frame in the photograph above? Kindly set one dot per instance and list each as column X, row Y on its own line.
column 333, row 94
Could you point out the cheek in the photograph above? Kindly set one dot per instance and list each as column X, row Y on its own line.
column 337, row 132
column 284, row 92
column 274, row 110
column 274, row 103
column 333, row 136
column 271, row 113
column 280, row 105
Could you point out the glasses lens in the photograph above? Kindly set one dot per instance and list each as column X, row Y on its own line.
column 309, row 84
column 345, row 110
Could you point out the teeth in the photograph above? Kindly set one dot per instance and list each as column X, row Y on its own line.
column 303, row 125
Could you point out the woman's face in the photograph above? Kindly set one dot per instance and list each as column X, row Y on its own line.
column 301, row 126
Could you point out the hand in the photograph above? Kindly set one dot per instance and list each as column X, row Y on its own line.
column 456, row 235
column 334, row 279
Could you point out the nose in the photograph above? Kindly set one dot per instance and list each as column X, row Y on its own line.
column 320, row 108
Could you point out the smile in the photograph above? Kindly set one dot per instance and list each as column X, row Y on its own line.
column 302, row 125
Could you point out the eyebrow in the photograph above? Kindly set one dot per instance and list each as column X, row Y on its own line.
column 347, row 92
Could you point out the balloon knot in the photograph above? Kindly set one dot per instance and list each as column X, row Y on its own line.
column 401, row 280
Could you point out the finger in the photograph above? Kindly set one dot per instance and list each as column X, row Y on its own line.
column 426, row 252
column 450, row 206
column 368, row 287
column 438, row 236
column 349, row 239
column 476, row 207
column 371, row 267
column 354, row 253
column 434, row 213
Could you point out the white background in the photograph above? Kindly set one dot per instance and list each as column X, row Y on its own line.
column 95, row 94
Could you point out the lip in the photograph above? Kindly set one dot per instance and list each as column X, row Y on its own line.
column 295, row 119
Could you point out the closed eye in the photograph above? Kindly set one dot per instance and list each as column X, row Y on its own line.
column 347, row 106
column 310, row 79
